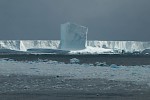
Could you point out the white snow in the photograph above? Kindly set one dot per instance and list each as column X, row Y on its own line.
column 73, row 36
column 92, row 50
column 138, row 74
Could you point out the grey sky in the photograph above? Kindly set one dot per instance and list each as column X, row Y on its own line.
column 106, row 19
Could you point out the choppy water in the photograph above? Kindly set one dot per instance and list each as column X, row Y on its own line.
column 57, row 87
column 109, row 59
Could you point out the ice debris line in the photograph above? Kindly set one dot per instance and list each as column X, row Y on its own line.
column 74, row 40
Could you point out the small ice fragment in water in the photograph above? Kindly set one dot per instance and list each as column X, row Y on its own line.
column 100, row 64
column 114, row 66
column 74, row 61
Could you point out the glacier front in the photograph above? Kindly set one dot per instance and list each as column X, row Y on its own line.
column 23, row 45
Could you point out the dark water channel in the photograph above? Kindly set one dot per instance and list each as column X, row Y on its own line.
column 88, row 59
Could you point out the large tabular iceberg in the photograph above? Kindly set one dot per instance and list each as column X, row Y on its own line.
column 73, row 40
column 23, row 45
column 73, row 36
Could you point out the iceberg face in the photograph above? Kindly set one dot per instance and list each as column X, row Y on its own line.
column 73, row 36
column 23, row 45
column 47, row 44
column 10, row 44
column 128, row 46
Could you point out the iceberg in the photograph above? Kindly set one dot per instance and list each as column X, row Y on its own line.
column 128, row 46
column 47, row 44
column 92, row 46
column 10, row 44
column 74, row 41
column 73, row 36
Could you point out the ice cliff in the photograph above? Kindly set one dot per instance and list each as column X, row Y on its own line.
column 73, row 39
column 23, row 45
column 73, row 36
column 128, row 46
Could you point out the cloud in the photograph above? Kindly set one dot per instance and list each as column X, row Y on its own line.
column 106, row 19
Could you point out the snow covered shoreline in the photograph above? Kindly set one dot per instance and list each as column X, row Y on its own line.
column 137, row 74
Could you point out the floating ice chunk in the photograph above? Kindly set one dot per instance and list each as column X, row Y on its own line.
column 73, row 36
column 74, row 61
column 114, row 66
column 100, row 64
column 92, row 50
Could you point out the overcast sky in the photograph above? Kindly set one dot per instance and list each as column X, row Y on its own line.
column 106, row 19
